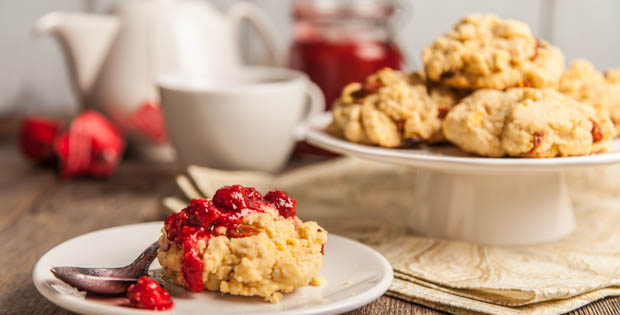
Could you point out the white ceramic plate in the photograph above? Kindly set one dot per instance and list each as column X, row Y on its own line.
column 356, row 275
column 448, row 157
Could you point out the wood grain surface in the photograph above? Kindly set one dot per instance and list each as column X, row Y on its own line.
column 39, row 211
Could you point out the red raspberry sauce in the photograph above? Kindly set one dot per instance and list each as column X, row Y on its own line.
column 199, row 220
column 148, row 294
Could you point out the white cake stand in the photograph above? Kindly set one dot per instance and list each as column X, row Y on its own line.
column 484, row 200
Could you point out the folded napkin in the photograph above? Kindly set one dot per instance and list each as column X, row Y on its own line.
column 370, row 202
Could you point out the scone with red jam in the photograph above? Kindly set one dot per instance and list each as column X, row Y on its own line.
column 242, row 243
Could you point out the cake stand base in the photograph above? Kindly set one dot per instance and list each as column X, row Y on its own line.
column 494, row 208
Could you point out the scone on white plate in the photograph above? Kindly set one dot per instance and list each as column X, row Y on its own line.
column 242, row 243
column 392, row 109
column 601, row 90
column 527, row 122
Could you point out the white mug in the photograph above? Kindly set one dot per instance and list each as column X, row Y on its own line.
column 245, row 119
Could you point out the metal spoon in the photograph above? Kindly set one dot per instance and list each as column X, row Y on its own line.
column 107, row 281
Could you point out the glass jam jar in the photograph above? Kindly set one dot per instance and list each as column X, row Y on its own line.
column 337, row 42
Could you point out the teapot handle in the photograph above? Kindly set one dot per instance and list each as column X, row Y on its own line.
column 244, row 10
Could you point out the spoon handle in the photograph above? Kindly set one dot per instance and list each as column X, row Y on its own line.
column 140, row 265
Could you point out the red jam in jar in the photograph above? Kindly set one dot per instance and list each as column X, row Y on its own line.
column 337, row 42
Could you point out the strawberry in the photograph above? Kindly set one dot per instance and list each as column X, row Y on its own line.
column 36, row 138
column 91, row 146
column 149, row 120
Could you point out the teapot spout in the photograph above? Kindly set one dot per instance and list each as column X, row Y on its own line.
column 85, row 39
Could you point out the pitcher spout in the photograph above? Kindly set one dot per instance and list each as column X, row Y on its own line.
column 85, row 39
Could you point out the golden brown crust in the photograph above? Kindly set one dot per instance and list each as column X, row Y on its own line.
column 392, row 109
column 526, row 122
column 484, row 51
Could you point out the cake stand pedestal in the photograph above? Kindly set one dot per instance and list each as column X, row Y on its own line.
column 492, row 208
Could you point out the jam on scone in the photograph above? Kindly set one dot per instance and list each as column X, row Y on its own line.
column 242, row 243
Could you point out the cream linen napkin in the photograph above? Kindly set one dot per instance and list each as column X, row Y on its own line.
column 368, row 201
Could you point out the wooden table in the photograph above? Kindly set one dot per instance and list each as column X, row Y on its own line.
column 39, row 211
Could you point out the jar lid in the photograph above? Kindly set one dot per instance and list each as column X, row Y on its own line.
column 344, row 8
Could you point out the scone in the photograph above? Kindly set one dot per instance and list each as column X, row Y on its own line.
column 484, row 51
column 584, row 83
column 613, row 76
column 391, row 109
column 242, row 243
column 526, row 122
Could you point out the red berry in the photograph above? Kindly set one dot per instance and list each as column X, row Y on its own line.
column 255, row 198
column 201, row 212
column 231, row 198
column 36, row 139
column 92, row 146
column 174, row 223
column 283, row 202
column 148, row 294
column 149, row 120
column 107, row 143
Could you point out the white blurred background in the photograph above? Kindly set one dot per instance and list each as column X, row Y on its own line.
column 34, row 76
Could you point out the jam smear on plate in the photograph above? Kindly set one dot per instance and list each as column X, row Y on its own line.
column 202, row 219
column 148, row 294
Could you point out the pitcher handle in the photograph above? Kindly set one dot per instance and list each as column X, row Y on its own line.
column 316, row 108
column 246, row 11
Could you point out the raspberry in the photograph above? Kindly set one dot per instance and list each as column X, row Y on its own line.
column 149, row 120
column 255, row 198
column 231, row 198
column 92, row 146
column 201, row 212
column 148, row 294
column 283, row 202
column 36, row 138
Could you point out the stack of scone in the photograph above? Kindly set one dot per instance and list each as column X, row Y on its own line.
column 491, row 88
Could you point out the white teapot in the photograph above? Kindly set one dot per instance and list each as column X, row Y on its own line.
column 114, row 59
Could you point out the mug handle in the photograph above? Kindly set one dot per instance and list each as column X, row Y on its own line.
column 246, row 11
column 316, row 108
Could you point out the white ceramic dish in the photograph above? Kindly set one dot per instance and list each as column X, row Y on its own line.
column 356, row 275
column 448, row 158
column 484, row 200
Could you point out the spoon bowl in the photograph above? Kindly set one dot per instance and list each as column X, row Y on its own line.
column 107, row 281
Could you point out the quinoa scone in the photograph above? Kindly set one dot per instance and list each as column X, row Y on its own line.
column 242, row 243
column 613, row 76
column 584, row 83
column 391, row 109
column 484, row 51
column 526, row 122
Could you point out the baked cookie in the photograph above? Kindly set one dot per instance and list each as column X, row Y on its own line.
column 391, row 109
column 242, row 243
column 484, row 51
column 613, row 76
column 526, row 122
column 584, row 83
